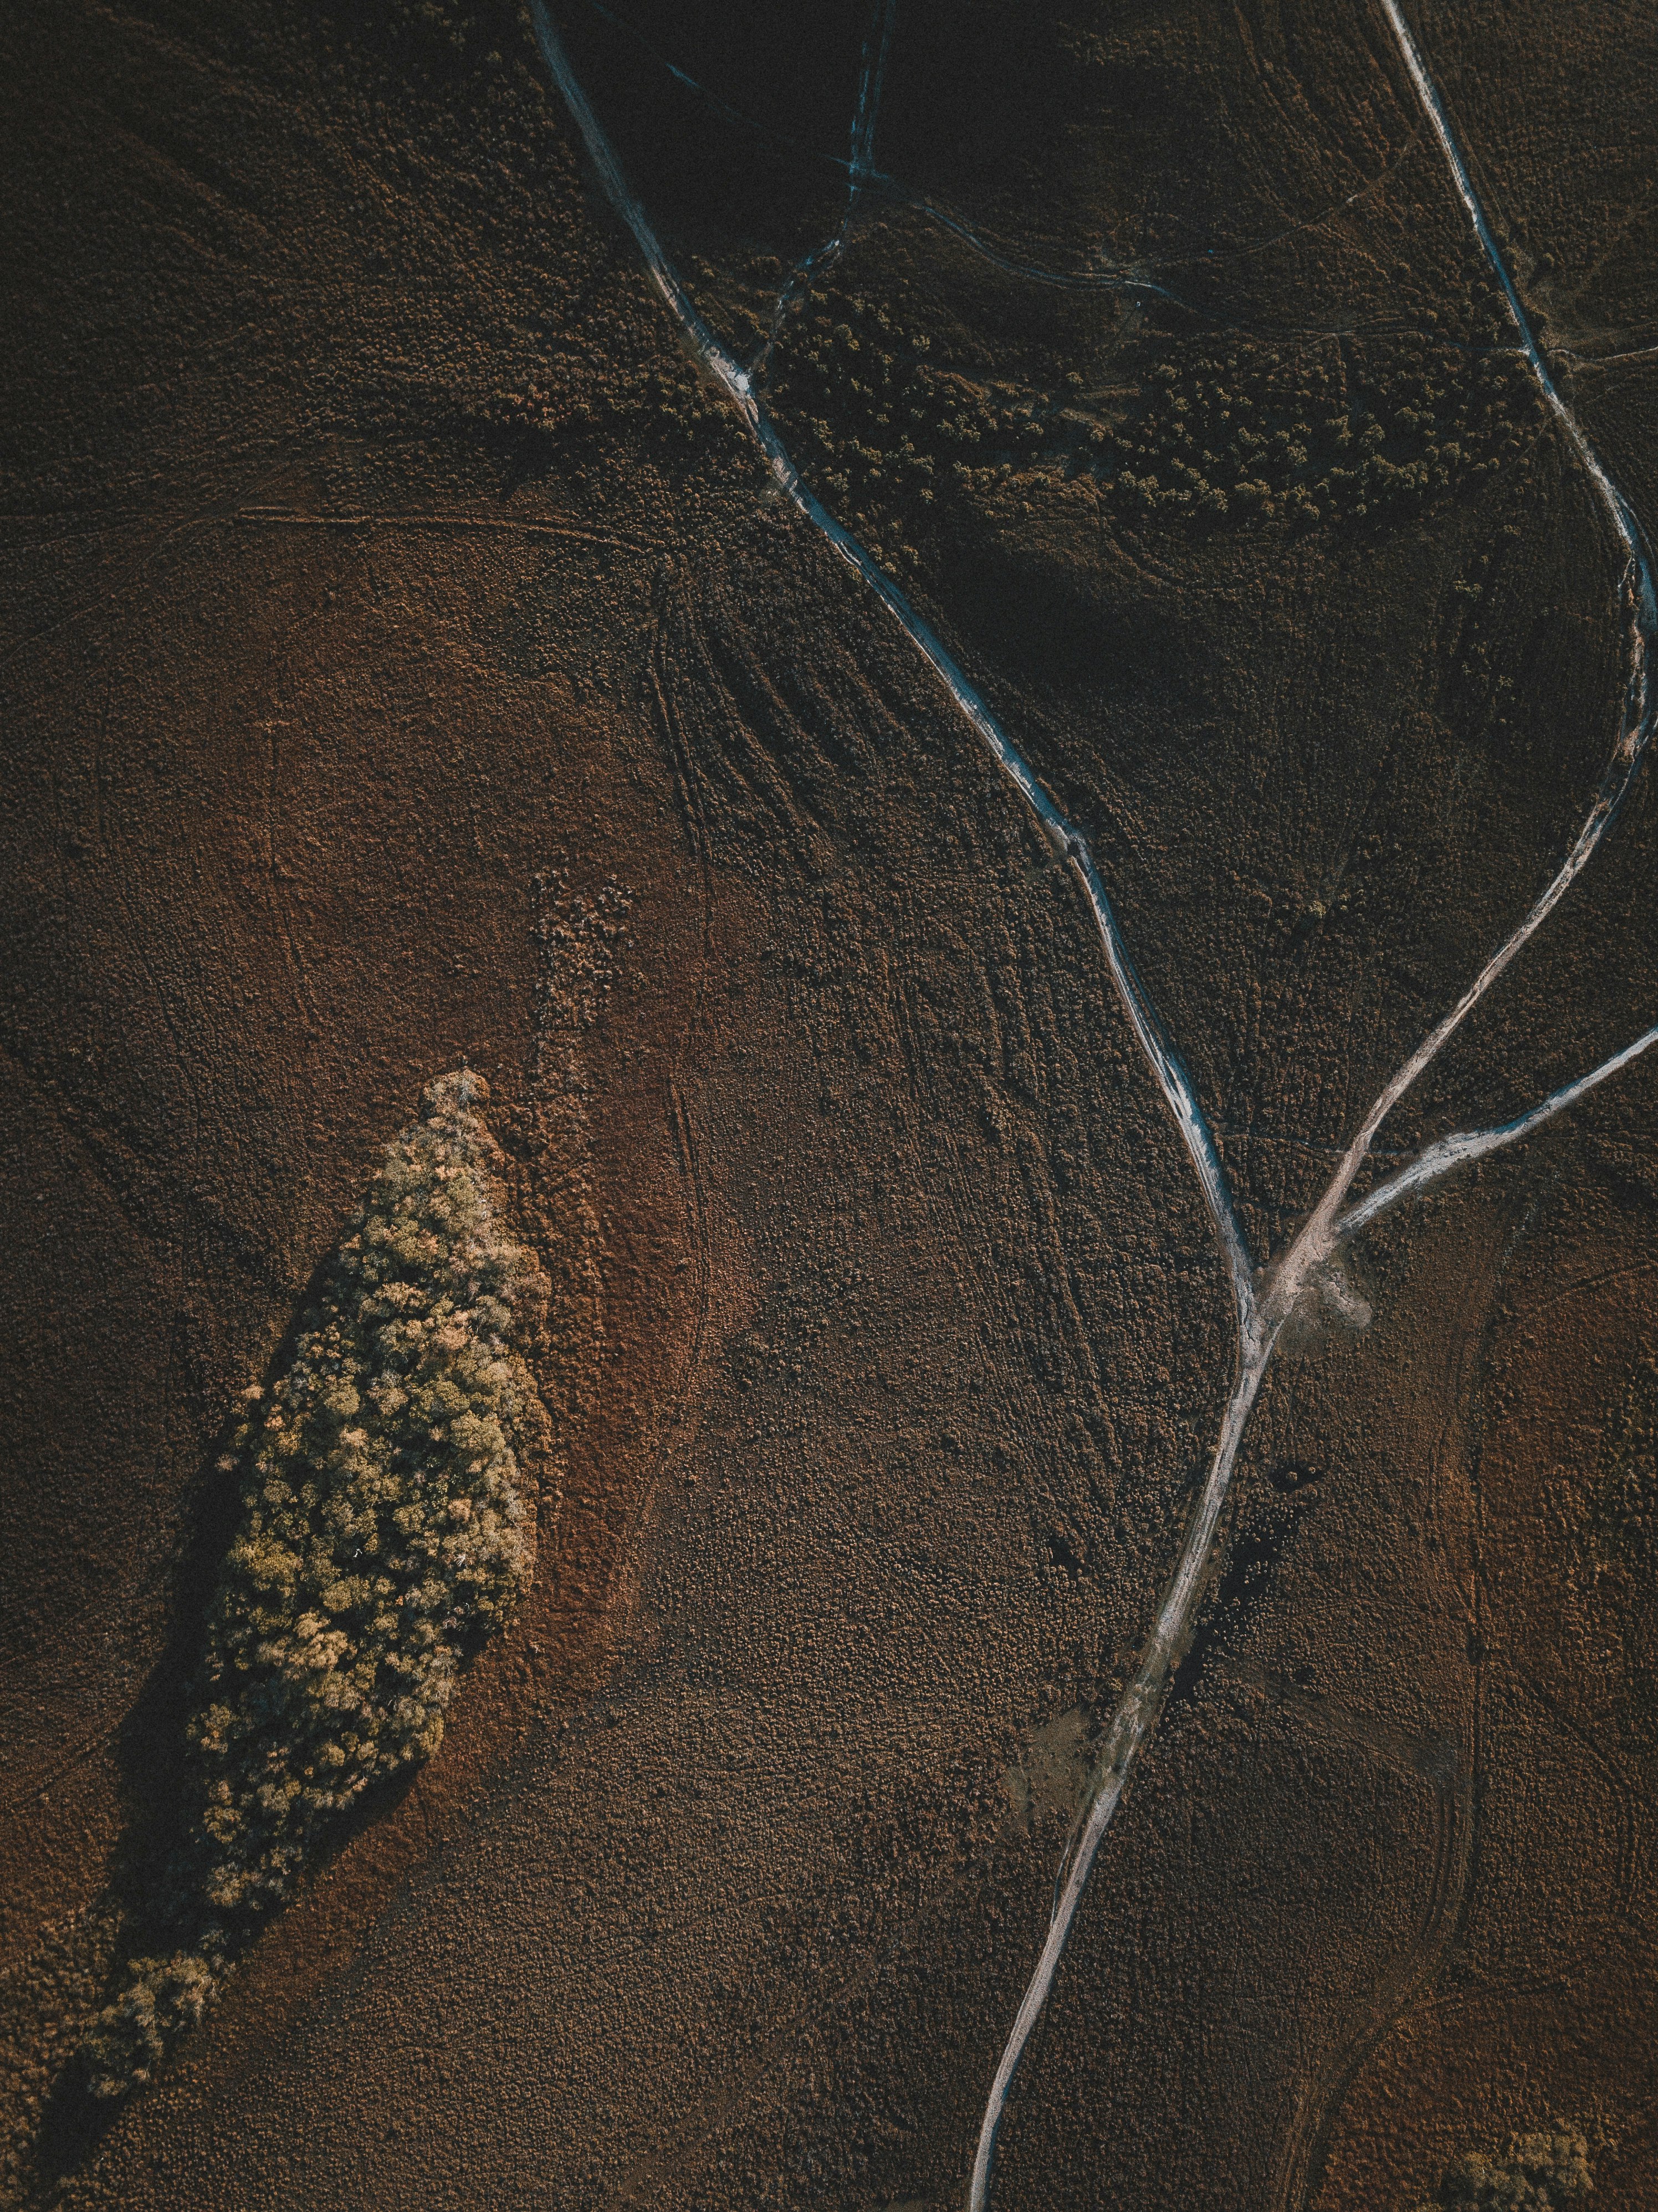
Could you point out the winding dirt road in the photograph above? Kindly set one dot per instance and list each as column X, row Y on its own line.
column 1308, row 1271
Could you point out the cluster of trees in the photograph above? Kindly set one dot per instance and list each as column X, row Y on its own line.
column 381, row 1540
column 1388, row 427
column 1321, row 435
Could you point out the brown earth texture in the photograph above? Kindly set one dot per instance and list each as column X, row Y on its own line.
column 408, row 663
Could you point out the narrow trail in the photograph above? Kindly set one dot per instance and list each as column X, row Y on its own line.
column 1308, row 1272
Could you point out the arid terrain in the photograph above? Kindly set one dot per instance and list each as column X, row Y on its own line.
column 408, row 663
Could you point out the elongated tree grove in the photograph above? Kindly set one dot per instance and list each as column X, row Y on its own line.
column 382, row 1537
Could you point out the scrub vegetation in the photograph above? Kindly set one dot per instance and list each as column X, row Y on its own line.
column 1234, row 431
column 382, row 1539
column 1536, row 2173
column 1630, row 1496
column 471, row 30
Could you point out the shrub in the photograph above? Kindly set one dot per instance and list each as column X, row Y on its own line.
column 381, row 1538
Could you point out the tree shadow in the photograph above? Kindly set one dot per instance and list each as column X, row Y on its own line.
column 1257, row 1546
column 155, row 1890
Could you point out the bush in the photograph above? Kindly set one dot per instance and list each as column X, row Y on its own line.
column 381, row 1538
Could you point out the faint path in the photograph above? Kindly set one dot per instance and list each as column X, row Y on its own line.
column 293, row 518
column 671, row 1421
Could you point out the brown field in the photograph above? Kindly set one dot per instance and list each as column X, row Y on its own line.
column 403, row 664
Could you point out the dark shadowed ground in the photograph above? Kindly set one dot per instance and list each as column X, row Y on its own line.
column 403, row 664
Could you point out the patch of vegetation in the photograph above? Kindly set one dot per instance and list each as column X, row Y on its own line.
column 546, row 416
column 1536, row 2173
column 1620, row 1543
column 1628, row 1502
column 1240, row 431
column 666, row 399
column 471, row 28
column 382, row 1541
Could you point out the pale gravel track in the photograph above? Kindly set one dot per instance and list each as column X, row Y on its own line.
column 1063, row 834
column 1291, row 1279
column 1264, row 1300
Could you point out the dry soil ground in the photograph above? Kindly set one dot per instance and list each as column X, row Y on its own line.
column 403, row 664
